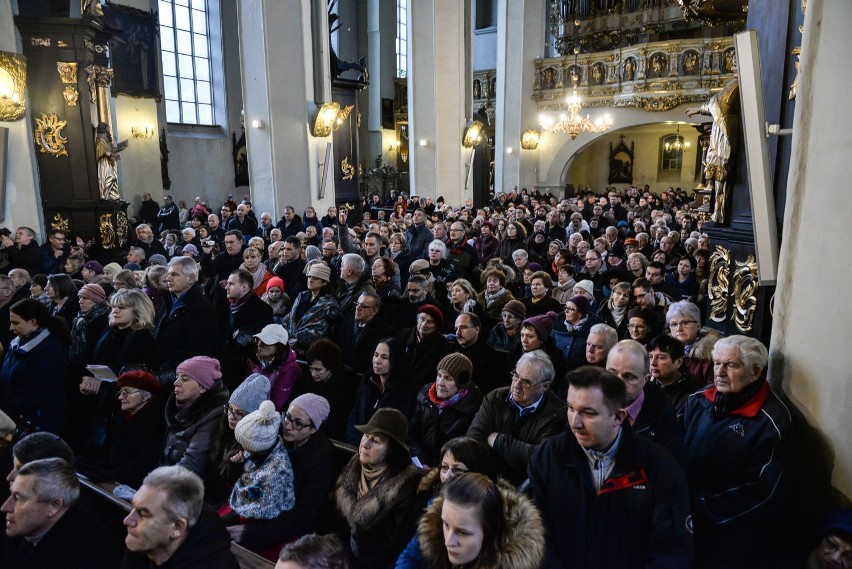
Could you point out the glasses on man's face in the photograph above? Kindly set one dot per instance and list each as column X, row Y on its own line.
column 524, row 383
column 682, row 324
column 237, row 414
column 295, row 423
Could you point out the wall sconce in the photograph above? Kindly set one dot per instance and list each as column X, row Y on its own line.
column 530, row 139
column 472, row 134
column 423, row 142
column 510, row 150
column 326, row 119
column 142, row 132
column 13, row 80
column 394, row 146
column 258, row 124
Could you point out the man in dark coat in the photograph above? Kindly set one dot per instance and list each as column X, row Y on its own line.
column 148, row 210
column 355, row 282
column 290, row 224
column 218, row 268
column 667, row 370
column 597, row 484
column 463, row 257
column 359, row 335
column 187, row 326
column 649, row 412
column 416, row 295
column 169, row 528
column 515, row 420
column 54, row 253
column 242, row 222
column 291, row 267
column 168, row 217
column 23, row 252
column 247, row 317
column 418, row 236
column 47, row 527
column 489, row 367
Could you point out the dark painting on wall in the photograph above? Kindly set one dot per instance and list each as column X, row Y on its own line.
column 134, row 53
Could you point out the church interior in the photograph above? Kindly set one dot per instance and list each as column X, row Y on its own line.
column 318, row 103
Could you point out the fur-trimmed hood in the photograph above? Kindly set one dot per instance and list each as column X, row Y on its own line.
column 702, row 348
column 523, row 542
column 362, row 514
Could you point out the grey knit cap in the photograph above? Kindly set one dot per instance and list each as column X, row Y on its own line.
column 251, row 393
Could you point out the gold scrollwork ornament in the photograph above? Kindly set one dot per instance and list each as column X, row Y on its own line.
column 59, row 223
column 48, row 135
column 745, row 294
column 71, row 95
column 347, row 169
column 107, row 231
column 121, row 228
column 718, row 283
column 67, row 72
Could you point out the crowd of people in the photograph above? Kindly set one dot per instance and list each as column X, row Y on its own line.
column 525, row 384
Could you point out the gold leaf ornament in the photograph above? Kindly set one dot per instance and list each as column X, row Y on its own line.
column 48, row 135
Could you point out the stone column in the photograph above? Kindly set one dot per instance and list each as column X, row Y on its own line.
column 277, row 66
column 381, row 64
column 439, row 80
column 520, row 29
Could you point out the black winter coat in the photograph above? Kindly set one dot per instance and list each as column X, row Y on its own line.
column 421, row 357
column 369, row 399
column 639, row 519
column 134, row 443
column 339, row 391
column 431, row 427
column 186, row 331
column 657, row 422
column 238, row 343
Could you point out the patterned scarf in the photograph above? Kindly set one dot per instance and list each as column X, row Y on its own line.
column 444, row 403
column 79, row 341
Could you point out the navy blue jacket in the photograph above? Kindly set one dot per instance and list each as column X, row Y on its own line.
column 639, row 519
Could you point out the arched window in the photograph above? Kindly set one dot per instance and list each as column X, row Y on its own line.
column 188, row 84
column 671, row 154
column 401, row 38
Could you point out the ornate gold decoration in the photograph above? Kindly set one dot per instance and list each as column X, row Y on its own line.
column 91, row 46
column 13, row 80
column 347, row 168
column 107, row 231
column 745, row 294
column 97, row 76
column 60, row 223
column 48, row 135
column 530, row 139
column 717, row 284
column 67, row 72
column 61, row 43
column 344, row 114
column 121, row 228
column 71, row 95
column 326, row 119
column 43, row 42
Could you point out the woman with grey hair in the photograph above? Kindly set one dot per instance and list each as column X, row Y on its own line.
column 440, row 268
column 683, row 320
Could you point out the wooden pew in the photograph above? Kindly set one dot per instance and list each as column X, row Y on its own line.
column 101, row 493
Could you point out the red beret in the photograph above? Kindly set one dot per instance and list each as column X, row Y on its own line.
column 434, row 312
column 139, row 380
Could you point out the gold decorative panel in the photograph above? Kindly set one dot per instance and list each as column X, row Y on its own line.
column 745, row 294
column 59, row 223
column 347, row 169
column 67, row 72
column 48, row 135
column 121, row 228
column 71, row 95
column 107, row 231
column 13, row 80
column 718, row 283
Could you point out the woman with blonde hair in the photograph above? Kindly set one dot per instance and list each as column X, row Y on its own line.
column 252, row 263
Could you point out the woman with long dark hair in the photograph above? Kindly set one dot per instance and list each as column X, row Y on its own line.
column 62, row 293
column 32, row 378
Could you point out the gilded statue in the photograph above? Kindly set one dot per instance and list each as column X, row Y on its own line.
column 91, row 8
column 724, row 107
column 107, row 157
column 629, row 69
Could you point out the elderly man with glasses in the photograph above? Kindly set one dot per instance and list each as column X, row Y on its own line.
column 513, row 421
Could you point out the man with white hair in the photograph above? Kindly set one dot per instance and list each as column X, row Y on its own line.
column 355, row 282
column 738, row 434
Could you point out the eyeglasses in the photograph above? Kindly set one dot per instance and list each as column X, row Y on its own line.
column 297, row 424
column 235, row 413
column 524, row 383
column 682, row 324
column 454, row 469
column 126, row 393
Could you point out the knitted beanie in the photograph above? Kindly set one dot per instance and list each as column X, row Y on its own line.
column 157, row 260
column 434, row 312
column 93, row 292
column 253, row 391
column 587, row 286
column 204, row 370
column 458, row 366
column 275, row 281
column 258, row 431
column 543, row 324
column 315, row 406
column 112, row 268
column 517, row 308
column 582, row 303
column 133, row 267
column 319, row 270
column 7, row 425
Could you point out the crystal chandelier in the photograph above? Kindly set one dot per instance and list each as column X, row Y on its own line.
column 573, row 123
column 679, row 143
